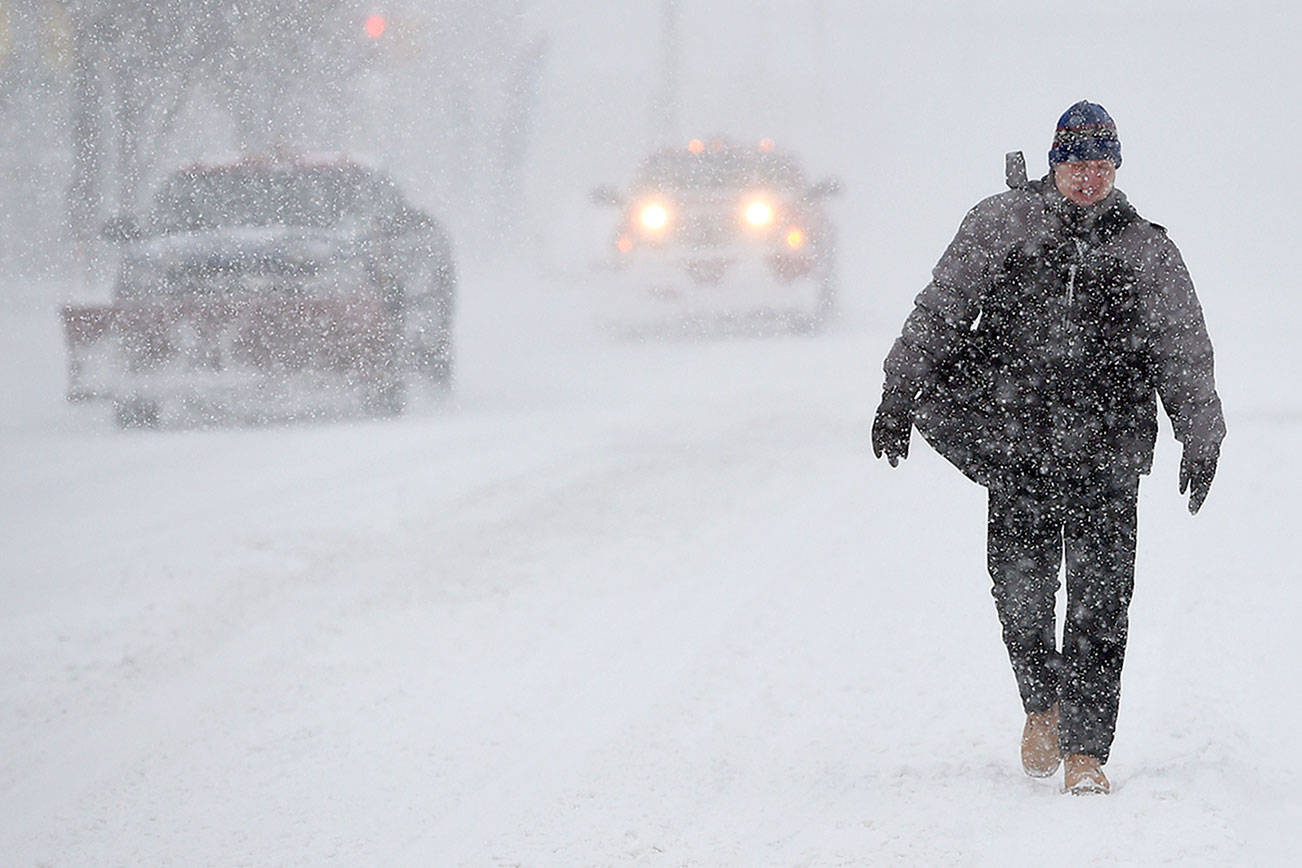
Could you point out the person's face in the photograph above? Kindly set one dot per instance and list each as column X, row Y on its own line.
column 1085, row 181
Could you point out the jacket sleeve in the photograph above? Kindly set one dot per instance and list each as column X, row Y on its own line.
column 950, row 303
column 1180, row 349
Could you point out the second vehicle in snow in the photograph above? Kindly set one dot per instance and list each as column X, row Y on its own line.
column 720, row 233
column 268, row 289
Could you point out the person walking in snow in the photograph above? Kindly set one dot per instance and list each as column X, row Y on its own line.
column 1032, row 361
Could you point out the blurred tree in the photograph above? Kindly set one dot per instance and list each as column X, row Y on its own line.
column 279, row 68
column 137, row 64
column 33, row 103
column 134, row 64
column 107, row 94
column 452, row 97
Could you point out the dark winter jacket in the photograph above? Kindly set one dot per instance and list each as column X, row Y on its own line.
column 1047, row 330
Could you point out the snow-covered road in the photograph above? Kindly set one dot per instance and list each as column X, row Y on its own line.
column 619, row 603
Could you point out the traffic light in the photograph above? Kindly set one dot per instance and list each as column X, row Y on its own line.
column 389, row 40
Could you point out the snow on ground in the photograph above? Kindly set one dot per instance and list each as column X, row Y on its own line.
column 619, row 603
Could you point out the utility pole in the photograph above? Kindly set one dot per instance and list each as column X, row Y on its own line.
column 664, row 105
column 822, row 51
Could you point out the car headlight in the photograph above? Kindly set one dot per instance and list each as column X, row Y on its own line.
column 654, row 217
column 759, row 213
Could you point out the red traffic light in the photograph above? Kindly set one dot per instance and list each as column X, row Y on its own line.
column 375, row 26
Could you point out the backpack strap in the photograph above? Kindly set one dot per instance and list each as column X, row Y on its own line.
column 1015, row 170
column 1115, row 220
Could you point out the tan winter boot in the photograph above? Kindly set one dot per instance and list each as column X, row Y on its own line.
column 1040, row 754
column 1083, row 774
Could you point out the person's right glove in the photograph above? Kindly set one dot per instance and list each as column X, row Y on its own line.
column 892, row 426
column 1197, row 468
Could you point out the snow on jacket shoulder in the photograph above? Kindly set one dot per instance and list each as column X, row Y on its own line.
column 952, row 300
column 1178, row 343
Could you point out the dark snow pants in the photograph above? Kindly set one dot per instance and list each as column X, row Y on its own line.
column 1093, row 521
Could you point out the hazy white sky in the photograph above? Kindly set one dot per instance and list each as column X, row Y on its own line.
column 914, row 107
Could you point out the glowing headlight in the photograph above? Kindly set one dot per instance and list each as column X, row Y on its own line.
column 655, row 217
column 759, row 214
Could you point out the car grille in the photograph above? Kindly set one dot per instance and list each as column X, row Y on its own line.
column 707, row 230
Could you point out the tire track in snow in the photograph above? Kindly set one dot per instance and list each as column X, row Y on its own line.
column 219, row 659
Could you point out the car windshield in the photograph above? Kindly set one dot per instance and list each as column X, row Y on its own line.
column 315, row 197
column 719, row 167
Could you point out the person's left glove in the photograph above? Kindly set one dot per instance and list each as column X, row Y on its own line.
column 892, row 426
column 1197, row 469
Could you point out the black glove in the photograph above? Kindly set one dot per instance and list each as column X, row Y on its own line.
column 1197, row 467
column 892, row 426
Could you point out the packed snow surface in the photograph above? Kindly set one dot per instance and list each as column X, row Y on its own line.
column 652, row 602
column 617, row 602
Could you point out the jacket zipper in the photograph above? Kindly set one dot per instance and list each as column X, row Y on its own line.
column 1071, row 281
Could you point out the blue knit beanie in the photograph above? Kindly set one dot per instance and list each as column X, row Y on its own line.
column 1085, row 132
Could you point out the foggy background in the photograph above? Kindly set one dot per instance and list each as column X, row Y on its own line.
column 501, row 115
column 623, row 602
